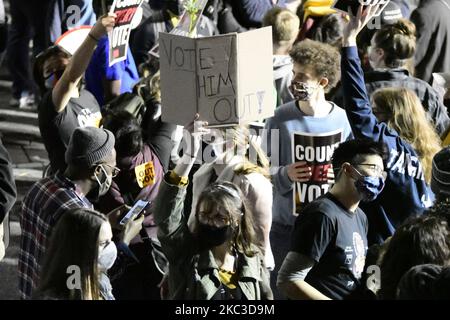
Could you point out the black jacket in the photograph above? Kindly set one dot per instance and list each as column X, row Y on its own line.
column 433, row 37
column 428, row 96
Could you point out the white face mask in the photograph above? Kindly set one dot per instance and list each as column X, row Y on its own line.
column 107, row 256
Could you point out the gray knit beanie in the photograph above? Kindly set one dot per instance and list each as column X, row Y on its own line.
column 88, row 146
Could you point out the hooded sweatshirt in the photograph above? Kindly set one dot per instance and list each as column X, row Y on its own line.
column 282, row 75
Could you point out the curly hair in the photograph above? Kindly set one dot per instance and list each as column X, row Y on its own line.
column 324, row 59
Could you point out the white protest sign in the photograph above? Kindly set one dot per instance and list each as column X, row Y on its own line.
column 317, row 150
column 120, row 35
column 227, row 79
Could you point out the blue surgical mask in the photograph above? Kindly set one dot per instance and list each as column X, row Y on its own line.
column 369, row 187
column 50, row 81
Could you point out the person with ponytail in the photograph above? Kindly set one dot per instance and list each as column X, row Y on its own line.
column 219, row 258
column 240, row 160
column 391, row 50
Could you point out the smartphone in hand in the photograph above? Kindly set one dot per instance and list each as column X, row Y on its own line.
column 135, row 211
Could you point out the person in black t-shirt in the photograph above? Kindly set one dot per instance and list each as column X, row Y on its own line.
column 329, row 241
column 64, row 106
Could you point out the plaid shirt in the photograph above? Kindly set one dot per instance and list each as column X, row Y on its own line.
column 44, row 204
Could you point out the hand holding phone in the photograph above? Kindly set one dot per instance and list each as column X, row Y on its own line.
column 134, row 212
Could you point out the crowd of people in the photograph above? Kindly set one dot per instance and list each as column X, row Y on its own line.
column 222, row 218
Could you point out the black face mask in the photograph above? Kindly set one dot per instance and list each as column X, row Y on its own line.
column 210, row 236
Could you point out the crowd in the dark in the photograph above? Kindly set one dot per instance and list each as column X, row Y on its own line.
column 221, row 214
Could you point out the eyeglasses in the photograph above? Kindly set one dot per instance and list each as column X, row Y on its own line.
column 216, row 220
column 376, row 169
column 115, row 171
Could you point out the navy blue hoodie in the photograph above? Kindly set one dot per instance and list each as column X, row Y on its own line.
column 406, row 192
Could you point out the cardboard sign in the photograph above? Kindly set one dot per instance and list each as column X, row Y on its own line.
column 343, row 5
column 145, row 174
column 120, row 35
column 227, row 79
column 317, row 150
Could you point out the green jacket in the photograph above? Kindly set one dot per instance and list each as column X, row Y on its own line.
column 193, row 273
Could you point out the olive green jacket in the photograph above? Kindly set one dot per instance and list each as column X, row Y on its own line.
column 193, row 273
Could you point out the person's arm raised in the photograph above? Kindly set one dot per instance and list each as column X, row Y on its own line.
column 356, row 100
column 192, row 134
column 358, row 22
column 79, row 62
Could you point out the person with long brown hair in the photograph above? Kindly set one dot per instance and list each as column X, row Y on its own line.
column 407, row 192
column 219, row 259
column 239, row 159
column 80, row 253
column 402, row 111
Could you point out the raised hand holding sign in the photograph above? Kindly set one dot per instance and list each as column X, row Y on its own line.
column 119, row 37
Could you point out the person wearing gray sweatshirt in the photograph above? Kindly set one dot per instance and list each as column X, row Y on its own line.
column 316, row 71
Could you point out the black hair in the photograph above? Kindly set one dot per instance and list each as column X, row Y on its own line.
column 74, row 242
column 329, row 29
column 441, row 286
column 38, row 65
column 418, row 282
column 353, row 150
column 126, row 130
